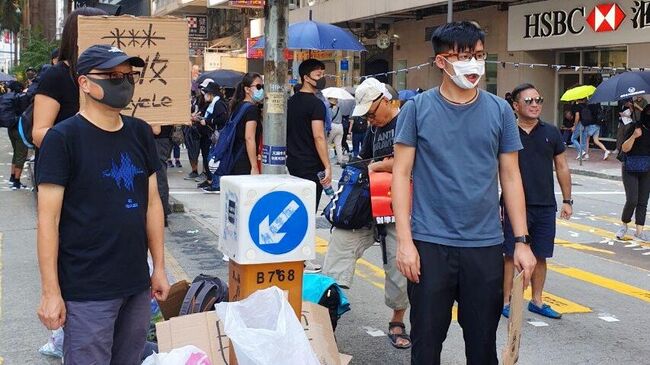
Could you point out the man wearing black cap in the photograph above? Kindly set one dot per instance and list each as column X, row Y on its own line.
column 98, row 214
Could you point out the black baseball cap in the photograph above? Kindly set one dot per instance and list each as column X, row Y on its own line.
column 104, row 57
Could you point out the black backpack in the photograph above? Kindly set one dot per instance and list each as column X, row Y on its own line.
column 350, row 206
column 205, row 291
column 332, row 300
column 8, row 110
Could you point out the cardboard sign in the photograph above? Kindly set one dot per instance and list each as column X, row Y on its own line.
column 171, row 307
column 511, row 350
column 162, row 95
column 205, row 331
column 380, row 197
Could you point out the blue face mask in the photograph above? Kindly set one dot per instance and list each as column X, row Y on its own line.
column 258, row 96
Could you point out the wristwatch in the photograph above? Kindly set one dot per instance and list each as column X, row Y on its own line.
column 568, row 201
column 524, row 239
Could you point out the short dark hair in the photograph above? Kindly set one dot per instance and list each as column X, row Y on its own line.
column 15, row 86
column 456, row 36
column 307, row 66
column 521, row 88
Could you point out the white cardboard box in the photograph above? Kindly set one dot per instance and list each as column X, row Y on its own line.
column 267, row 218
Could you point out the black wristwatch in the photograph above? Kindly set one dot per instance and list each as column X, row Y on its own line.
column 568, row 201
column 524, row 239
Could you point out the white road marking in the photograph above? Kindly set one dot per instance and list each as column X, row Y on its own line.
column 609, row 318
column 374, row 332
column 574, row 234
column 631, row 245
column 646, row 254
column 538, row 323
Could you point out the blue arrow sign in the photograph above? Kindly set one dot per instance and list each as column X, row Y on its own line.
column 278, row 222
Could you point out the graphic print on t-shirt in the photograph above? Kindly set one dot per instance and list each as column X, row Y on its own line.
column 123, row 175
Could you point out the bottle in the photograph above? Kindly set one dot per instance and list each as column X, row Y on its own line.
column 327, row 188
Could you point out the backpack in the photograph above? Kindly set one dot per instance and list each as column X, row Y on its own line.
column 359, row 125
column 350, row 205
column 221, row 154
column 323, row 290
column 8, row 110
column 204, row 292
column 587, row 115
column 25, row 126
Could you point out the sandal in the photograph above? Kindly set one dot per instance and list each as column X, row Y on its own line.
column 394, row 337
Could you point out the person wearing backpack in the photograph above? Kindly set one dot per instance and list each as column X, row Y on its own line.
column 10, row 109
column 346, row 246
column 206, row 122
column 247, row 132
column 358, row 129
column 592, row 128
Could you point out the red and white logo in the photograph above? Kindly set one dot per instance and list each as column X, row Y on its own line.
column 605, row 17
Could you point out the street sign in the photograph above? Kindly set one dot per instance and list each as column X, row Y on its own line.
column 278, row 222
column 345, row 65
column 198, row 26
column 197, row 47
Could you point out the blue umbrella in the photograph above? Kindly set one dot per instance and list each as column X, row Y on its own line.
column 5, row 78
column 311, row 35
column 225, row 78
column 622, row 86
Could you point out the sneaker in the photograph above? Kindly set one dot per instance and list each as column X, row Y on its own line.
column 506, row 311
column 178, row 164
column 191, row 176
column 201, row 178
column 620, row 234
column 585, row 156
column 312, row 267
column 211, row 190
column 170, row 164
column 545, row 310
column 204, row 184
column 642, row 236
column 607, row 153
column 17, row 185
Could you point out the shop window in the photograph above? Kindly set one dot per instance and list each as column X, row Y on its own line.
column 570, row 58
column 613, row 58
column 400, row 78
column 590, row 58
column 491, row 74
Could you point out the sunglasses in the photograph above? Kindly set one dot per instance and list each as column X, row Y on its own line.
column 539, row 100
column 116, row 77
column 258, row 86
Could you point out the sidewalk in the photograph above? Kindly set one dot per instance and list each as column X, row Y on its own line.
column 595, row 166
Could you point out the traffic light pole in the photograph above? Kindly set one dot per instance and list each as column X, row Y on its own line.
column 276, row 70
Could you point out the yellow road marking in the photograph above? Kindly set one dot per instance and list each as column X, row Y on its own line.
column 578, row 246
column 560, row 304
column 594, row 230
column 174, row 267
column 601, row 281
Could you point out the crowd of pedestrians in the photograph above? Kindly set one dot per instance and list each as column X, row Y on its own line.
column 102, row 175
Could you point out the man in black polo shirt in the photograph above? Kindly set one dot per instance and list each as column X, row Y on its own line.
column 542, row 148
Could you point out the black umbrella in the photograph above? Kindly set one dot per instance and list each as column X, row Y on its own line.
column 225, row 78
column 622, row 86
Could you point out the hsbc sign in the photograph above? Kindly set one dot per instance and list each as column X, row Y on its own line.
column 575, row 23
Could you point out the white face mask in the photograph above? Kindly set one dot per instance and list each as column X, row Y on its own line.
column 462, row 68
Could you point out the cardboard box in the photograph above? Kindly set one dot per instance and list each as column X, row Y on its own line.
column 162, row 94
column 172, row 306
column 205, row 331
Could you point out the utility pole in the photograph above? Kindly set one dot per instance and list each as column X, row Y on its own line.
column 276, row 69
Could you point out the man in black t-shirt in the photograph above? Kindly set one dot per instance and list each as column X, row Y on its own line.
column 307, row 152
column 98, row 214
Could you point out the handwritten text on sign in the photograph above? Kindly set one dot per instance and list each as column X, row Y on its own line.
column 162, row 94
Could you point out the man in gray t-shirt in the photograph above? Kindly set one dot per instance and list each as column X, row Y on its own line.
column 457, row 142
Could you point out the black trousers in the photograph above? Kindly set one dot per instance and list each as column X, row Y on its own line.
column 310, row 175
column 473, row 277
column 637, row 191
column 164, row 146
column 205, row 144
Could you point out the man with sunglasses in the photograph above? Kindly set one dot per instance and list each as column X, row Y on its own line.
column 543, row 147
column 456, row 141
column 98, row 214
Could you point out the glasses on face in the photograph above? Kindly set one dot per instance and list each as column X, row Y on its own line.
column 466, row 56
column 538, row 100
column 371, row 115
column 117, row 77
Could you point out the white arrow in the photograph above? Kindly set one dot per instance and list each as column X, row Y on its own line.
column 270, row 233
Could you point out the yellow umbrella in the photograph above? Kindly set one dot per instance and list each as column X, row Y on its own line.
column 578, row 93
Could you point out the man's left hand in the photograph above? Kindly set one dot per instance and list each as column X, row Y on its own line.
column 567, row 211
column 159, row 285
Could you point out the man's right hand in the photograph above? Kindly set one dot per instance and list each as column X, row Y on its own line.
column 408, row 260
column 525, row 261
column 327, row 180
column 637, row 133
column 52, row 311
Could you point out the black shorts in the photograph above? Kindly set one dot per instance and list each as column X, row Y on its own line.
column 541, row 227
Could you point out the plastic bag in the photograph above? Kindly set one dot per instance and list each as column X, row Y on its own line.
column 265, row 331
column 54, row 346
column 187, row 355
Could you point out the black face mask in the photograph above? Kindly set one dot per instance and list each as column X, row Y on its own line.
column 117, row 93
column 320, row 83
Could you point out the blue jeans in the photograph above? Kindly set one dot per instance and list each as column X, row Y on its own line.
column 177, row 152
column 357, row 140
column 575, row 139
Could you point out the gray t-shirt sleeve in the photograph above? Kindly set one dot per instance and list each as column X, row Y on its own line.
column 509, row 140
column 406, row 131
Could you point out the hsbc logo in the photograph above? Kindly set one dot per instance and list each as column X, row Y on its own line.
column 605, row 18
